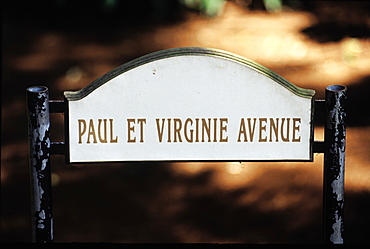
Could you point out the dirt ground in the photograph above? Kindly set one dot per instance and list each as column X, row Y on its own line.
column 312, row 46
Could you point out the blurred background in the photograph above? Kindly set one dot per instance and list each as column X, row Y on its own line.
column 65, row 45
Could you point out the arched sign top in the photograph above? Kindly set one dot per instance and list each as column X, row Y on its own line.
column 187, row 51
column 190, row 104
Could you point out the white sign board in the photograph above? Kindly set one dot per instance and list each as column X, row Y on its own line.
column 190, row 104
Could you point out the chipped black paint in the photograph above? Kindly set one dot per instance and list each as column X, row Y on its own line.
column 335, row 140
column 39, row 149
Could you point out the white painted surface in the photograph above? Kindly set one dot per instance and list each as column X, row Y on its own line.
column 191, row 86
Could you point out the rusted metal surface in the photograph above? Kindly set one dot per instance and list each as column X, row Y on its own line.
column 39, row 153
column 58, row 148
column 318, row 147
column 57, row 106
column 335, row 140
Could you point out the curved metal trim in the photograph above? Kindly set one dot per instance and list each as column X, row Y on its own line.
column 185, row 51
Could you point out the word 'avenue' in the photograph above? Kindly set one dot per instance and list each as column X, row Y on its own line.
column 192, row 130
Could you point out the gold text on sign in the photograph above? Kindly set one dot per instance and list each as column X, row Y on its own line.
column 94, row 132
column 269, row 129
column 192, row 130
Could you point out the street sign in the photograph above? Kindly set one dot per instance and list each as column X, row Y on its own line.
column 190, row 104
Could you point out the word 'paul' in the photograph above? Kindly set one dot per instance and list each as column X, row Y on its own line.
column 96, row 132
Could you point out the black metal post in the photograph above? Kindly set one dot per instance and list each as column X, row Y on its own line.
column 335, row 141
column 39, row 146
